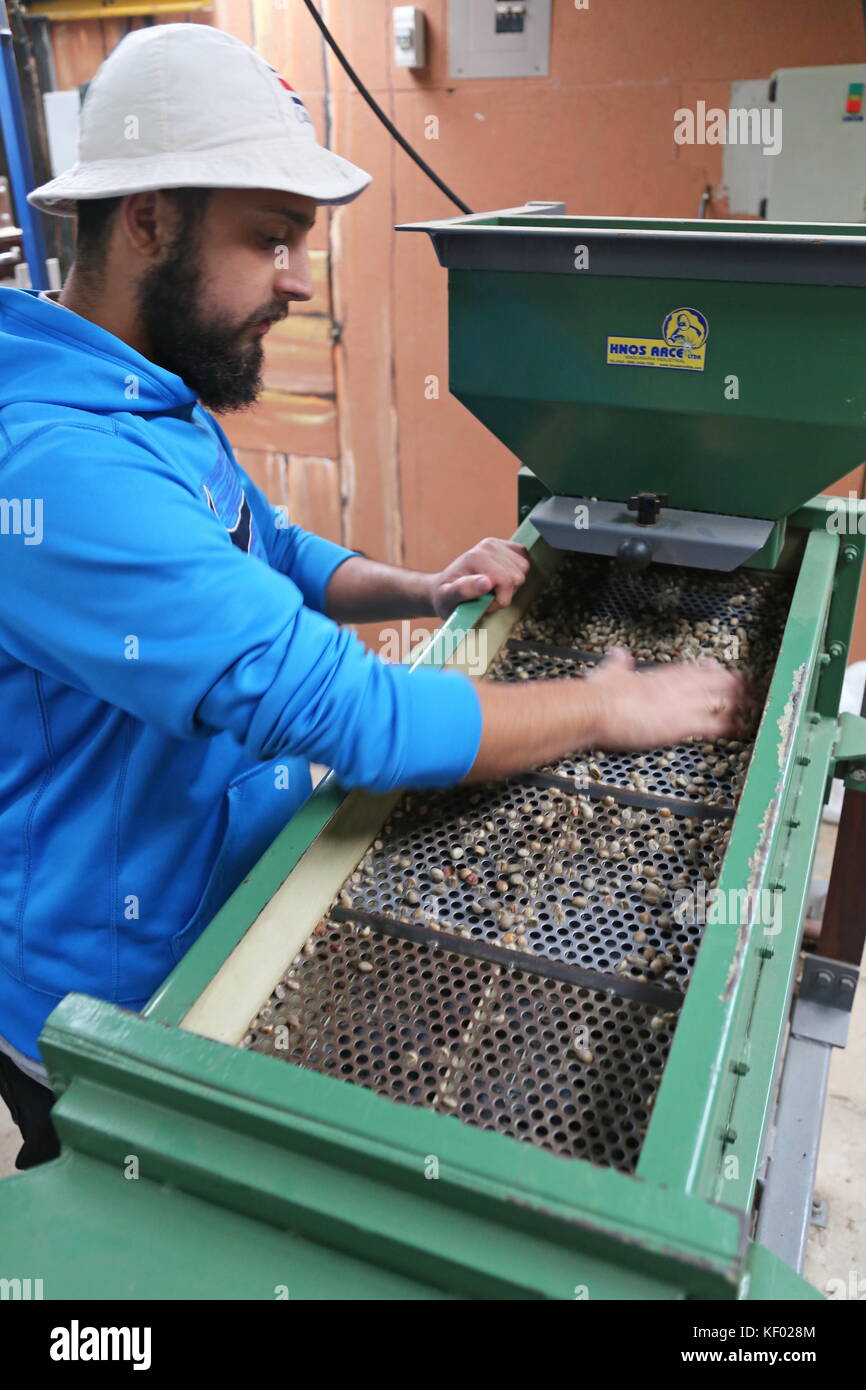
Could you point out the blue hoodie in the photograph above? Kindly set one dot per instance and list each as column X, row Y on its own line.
column 166, row 672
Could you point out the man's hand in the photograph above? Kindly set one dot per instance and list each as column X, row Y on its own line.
column 364, row 591
column 666, row 704
column 492, row 565
column 527, row 725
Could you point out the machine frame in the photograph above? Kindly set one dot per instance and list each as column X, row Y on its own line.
column 325, row 1187
column 192, row 1167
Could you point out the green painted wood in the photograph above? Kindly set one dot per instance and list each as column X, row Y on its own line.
column 346, row 1168
column 90, row 1233
column 848, row 522
column 770, row 1280
column 686, row 1141
column 268, row 1167
column 851, row 743
column 730, row 1174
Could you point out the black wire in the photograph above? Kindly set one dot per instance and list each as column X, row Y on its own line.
column 374, row 105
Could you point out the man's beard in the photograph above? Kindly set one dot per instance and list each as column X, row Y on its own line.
column 215, row 359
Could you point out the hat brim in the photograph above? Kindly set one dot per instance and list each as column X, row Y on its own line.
column 313, row 173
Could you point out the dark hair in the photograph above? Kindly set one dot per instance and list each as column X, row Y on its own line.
column 95, row 219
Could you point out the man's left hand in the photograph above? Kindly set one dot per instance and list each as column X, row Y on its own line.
column 492, row 566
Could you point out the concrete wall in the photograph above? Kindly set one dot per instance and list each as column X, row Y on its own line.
column 346, row 434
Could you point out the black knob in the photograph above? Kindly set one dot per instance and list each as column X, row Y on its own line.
column 634, row 554
column 647, row 505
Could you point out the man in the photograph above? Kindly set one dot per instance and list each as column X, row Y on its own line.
column 170, row 655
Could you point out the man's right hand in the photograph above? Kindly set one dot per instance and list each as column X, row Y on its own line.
column 666, row 704
column 528, row 724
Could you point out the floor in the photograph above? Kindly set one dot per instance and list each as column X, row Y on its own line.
column 839, row 1251
column 835, row 1252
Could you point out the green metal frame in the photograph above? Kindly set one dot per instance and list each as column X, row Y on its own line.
column 300, row 1181
column 566, row 413
column 599, row 405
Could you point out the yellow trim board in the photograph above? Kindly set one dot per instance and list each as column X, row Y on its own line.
column 106, row 9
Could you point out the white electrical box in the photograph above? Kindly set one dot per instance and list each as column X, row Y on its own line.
column 498, row 38
column 819, row 173
column 410, row 37
column 818, row 170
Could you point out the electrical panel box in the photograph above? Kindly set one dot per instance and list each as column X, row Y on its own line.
column 819, row 173
column 814, row 168
column 499, row 38
column 746, row 170
column 410, row 35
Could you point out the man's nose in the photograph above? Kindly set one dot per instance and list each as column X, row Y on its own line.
column 293, row 277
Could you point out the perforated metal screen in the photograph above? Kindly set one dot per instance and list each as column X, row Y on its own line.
column 515, row 954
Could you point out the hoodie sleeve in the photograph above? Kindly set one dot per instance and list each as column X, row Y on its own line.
column 135, row 594
column 307, row 559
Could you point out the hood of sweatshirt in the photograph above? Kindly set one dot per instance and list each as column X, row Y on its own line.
column 53, row 359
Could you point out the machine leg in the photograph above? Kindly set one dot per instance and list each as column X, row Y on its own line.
column 819, row 1023
column 843, row 931
column 786, row 1204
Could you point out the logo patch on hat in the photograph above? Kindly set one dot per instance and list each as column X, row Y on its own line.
column 300, row 109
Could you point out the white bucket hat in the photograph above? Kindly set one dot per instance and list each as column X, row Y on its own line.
column 186, row 105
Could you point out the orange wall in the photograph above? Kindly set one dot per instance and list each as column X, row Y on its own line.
column 345, row 433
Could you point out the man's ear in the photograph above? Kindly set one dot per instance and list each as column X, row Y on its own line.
column 149, row 222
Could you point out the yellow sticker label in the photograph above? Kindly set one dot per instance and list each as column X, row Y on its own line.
column 681, row 347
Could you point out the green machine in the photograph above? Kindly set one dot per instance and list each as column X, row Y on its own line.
column 556, row 1037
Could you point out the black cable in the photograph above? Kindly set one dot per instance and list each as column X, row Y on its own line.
column 374, row 106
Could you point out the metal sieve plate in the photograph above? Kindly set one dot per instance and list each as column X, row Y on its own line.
column 712, row 772
column 450, row 861
column 662, row 613
column 440, row 1016
column 569, row 1069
